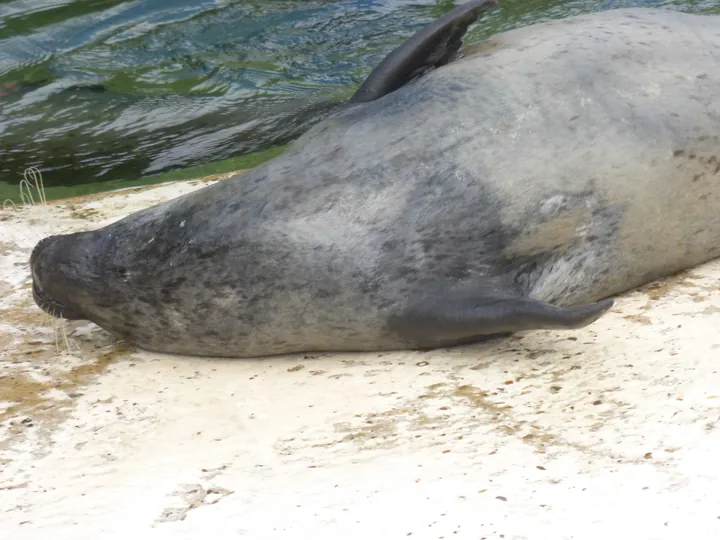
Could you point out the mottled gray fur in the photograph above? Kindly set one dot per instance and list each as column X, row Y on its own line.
column 560, row 163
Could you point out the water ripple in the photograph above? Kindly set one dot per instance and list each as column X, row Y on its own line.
column 94, row 90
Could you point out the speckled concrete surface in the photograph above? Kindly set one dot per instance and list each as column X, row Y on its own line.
column 606, row 432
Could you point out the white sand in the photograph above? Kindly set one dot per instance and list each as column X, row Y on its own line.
column 606, row 432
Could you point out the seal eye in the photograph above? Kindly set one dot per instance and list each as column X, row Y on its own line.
column 122, row 272
column 524, row 278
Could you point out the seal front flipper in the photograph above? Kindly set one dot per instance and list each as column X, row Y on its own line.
column 431, row 47
column 440, row 320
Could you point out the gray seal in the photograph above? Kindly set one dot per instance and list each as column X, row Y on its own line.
column 450, row 200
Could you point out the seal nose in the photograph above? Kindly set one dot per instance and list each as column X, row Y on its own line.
column 36, row 254
column 48, row 279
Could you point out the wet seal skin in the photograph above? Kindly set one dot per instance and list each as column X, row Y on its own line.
column 516, row 188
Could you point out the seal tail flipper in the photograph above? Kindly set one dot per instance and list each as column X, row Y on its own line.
column 433, row 46
column 442, row 322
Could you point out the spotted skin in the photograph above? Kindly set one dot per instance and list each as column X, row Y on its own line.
column 519, row 187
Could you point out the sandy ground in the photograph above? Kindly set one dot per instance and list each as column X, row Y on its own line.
column 606, row 432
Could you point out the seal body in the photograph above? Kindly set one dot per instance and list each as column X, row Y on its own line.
column 516, row 188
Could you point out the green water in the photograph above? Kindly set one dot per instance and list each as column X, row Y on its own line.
column 11, row 193
column 101, row 94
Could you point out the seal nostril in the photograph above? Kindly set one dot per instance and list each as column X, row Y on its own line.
column 37, row 250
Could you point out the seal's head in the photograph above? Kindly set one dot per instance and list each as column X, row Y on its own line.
column 65, row 272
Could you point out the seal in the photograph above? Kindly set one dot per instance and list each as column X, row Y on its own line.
column 519, row 187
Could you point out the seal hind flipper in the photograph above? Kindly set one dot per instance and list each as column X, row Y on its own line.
column 450, row 320
column 433, row 46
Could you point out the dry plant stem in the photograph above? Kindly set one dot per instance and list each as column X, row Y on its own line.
column 32, row 177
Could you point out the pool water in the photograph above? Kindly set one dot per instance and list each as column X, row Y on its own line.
column 95, row 91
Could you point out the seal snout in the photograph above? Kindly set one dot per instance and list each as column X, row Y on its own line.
column 48, row 287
